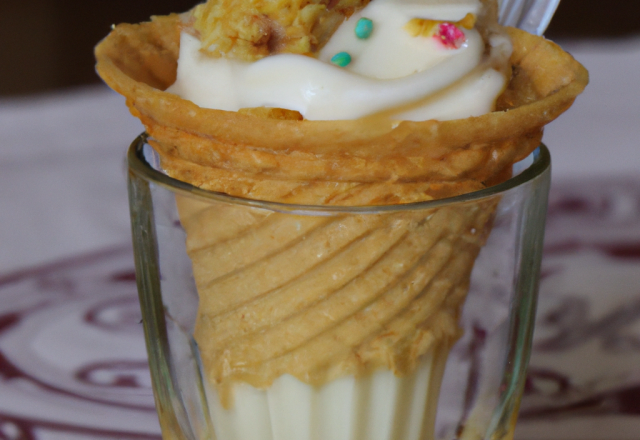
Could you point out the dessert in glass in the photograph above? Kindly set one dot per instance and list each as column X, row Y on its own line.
column 337, row 213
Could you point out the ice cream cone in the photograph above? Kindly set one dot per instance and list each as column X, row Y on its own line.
column 322, row 297
column 327, row 162
column 347, row 295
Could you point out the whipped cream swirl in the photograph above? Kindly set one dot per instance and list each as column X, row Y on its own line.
column 391, row 73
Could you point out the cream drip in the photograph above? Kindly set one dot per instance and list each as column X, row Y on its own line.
column 405, row 77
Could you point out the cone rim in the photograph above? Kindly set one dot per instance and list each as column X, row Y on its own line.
column 139, row 166
column 160, row 110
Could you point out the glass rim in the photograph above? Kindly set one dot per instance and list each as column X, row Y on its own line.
column 141, row 167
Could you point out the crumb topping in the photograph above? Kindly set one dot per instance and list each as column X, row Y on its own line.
column 252, row 29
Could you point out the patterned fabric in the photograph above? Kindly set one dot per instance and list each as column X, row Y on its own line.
column 584, row 375
column 73, row 362
column 72, row 357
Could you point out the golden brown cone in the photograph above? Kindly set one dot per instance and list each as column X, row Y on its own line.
column 324, row 297
column 270, row 303
column 236, row 153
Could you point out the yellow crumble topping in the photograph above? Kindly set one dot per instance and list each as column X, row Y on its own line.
column 252, row 29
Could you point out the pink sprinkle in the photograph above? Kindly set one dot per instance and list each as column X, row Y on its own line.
column 450, row 36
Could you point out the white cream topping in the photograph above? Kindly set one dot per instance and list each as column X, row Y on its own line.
column 413, row 78
column 382, row 406
column 390, row 52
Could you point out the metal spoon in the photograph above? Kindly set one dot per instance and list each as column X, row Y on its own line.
column 530, row 15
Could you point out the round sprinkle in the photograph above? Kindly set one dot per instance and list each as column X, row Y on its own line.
column 364, row 27
column 450, row 36
column 341, row 59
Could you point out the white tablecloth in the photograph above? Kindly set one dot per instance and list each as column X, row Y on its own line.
column 63, row 195
column 62, row 175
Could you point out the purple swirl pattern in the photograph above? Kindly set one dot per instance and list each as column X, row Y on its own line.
column 72, row 357
column 584, row 375
column 73, row 362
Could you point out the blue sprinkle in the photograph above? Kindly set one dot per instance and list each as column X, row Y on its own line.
column 341, row 59
column 364, row 27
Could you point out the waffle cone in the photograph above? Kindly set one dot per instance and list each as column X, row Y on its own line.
column 321, row 297
column 353, row 162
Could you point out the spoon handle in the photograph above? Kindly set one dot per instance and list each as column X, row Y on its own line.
column 530, row 15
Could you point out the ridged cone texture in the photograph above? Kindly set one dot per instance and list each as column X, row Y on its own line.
column 335, row 162
column 320, row 297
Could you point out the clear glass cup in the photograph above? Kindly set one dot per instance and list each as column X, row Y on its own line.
column 267, row 321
